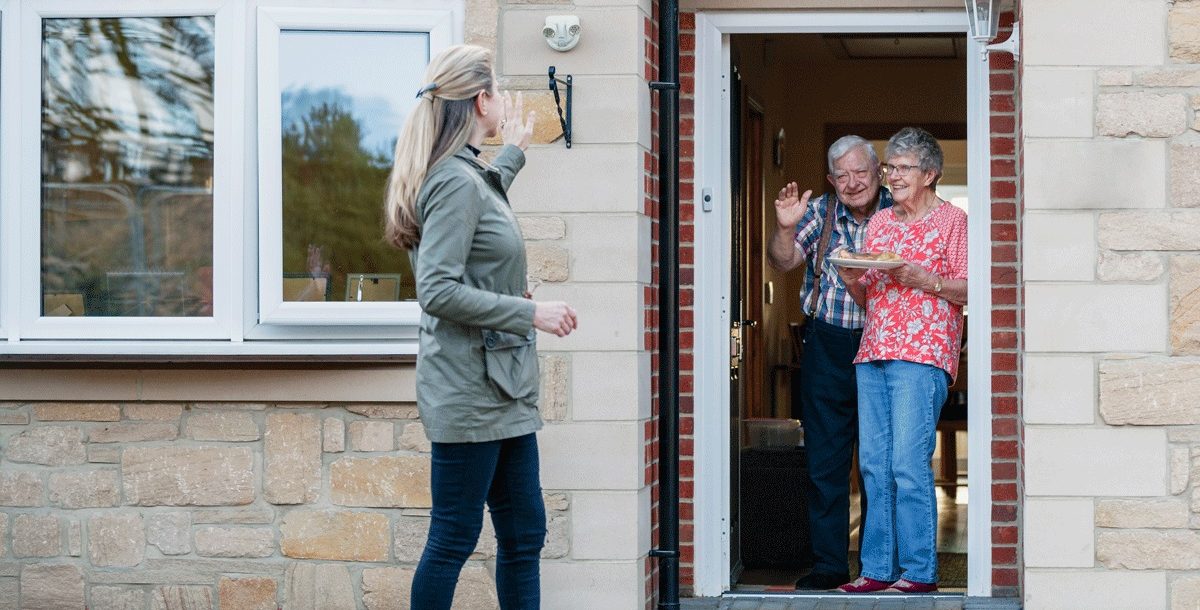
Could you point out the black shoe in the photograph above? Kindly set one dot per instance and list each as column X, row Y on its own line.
column 822, row 581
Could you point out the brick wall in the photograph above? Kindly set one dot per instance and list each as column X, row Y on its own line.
column 251, row 505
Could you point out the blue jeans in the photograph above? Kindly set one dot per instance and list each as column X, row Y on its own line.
column 899, row 403
column 503, row 473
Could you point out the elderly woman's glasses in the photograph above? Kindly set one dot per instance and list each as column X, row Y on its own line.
column 899, row 171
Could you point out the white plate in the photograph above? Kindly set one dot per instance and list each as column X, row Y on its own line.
column 864, row 264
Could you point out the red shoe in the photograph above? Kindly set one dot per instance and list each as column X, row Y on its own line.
column 864, row 585
column 908, row 586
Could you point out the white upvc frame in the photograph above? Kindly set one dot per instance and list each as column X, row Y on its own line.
column 392, row 319
column 10, row 165
column 711, row 500
column 226, row 176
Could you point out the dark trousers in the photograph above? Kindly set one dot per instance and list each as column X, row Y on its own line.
column 464, row 475
column 829, row 411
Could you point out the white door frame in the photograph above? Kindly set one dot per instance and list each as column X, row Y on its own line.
column 711, row 501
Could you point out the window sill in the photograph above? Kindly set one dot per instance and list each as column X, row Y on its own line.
column 161, row 352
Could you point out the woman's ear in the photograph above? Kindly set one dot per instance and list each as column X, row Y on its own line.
column 481, row 105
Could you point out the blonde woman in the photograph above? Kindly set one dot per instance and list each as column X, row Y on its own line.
column 477, row 372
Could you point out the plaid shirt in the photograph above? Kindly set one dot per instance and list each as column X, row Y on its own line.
column 834, row 306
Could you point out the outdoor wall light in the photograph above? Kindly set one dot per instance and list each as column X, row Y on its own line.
column 984, row 18
column 562, row 32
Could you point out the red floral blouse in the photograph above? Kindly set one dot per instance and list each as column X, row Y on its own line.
column 908, row 323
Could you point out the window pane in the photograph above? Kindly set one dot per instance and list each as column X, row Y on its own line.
column 127, row 166
column 344, row 99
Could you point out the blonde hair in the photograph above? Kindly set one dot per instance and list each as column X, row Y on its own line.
column 438, row 127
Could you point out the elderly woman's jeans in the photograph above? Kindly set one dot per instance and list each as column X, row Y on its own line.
column 464, row 475
column 898, row 407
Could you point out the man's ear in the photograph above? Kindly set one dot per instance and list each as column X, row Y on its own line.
column 829, row 177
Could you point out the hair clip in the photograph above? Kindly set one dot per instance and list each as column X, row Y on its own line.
column 426, row 89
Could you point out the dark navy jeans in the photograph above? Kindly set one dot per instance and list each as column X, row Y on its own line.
column 829, row 412
column 503, row 473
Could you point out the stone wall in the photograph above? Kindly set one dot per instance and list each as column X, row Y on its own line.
column 1113, row 282
column 252, row 506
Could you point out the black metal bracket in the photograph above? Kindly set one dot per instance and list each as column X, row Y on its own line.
column 660, row 553
column 661, row 86
column 564, row 121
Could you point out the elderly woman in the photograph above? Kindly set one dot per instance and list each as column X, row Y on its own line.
column 908, row 356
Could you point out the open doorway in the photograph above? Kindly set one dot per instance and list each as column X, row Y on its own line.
column 791, row 96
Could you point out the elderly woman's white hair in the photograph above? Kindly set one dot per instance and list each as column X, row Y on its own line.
column 919, row 143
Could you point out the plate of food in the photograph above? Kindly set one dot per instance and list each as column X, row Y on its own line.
column 866, row 260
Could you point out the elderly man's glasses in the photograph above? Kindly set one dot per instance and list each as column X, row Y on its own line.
column 899, row 171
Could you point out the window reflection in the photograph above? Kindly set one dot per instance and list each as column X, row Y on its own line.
column 127, row 166
column 343, row 101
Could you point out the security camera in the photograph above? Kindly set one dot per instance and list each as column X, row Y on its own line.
column 562, row 32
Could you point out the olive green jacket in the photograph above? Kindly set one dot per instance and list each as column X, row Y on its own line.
column 477, row 368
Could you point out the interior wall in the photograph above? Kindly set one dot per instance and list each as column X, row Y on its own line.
column 802, row 86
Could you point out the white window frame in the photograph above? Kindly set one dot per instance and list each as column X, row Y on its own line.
column 33, row 325
column 394, row 317
column 241, row 219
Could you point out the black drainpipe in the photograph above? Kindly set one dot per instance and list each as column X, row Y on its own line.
column 668, row 304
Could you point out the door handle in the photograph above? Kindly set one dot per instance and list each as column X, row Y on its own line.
column 735, row 349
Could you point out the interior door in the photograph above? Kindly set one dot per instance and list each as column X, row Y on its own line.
column 735, row 326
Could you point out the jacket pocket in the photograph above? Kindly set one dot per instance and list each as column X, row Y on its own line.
column 511, row 362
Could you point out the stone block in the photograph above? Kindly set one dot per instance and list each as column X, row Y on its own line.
column 86, row 489
column 385, row 411
column 103, row 454
column 335, row 535
column 1051, row 34
column 537, row 228
column 1185, row 593
column 235, row 542
column 541, row 189
column 556, row 501
column 547, row 262
column 116, row 540
column 48, row 446
column 622, row 393
column 613, row 313
column 610, row 247
column 383, row 481
column 3, row 534
column 51, row 587
column 1058, row 533
column 170, row 533
column 333, row 435
column 134, row 432
column 246, row 516
column 1152, row 115
column 1149, row 550
column 74, row 538
column 596, row 536
column 481, row 18
column 181, row 597
column 19, row 488
column 611, row 44
column 372, row 435
column 1059, row 246
column 188, row 476
column 1180, row 470
column 36, row 536
column 153, row 412
column 412, row 438
column 13, row 418
column 1185, row 306
column 558, row 536
column 246, row 593
column 1149, row 391
column 1059, row 389
column 1131, row 514
column 1094, row 590
column 117, row 598
column 409, row 538
column 1155, row 231
column 390, row 588
column 1057, row 103
column 1185, row 166
column 1196, row 112
column 76, row 411
column 1067, row 461
column 310, row 586
column 540, row 102
column 1105, row 174
column 611, row 454
column 229, row 426
column 555, row 383
column 1183, row 27
column 10, row 596
column 1095, row 318
column 593, row 585
column 1170, row 77
column 1114, row 78
column 292, row 458
column 1129, row 266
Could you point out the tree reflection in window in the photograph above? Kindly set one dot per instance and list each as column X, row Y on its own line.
column 127, row 165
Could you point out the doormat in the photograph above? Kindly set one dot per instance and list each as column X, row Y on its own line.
column 952, row 569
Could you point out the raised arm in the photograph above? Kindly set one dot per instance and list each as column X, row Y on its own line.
column 790, row 208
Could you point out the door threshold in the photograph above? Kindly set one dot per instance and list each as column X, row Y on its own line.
column 843, row 597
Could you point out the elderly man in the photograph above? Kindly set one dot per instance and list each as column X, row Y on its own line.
column 807, row 232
